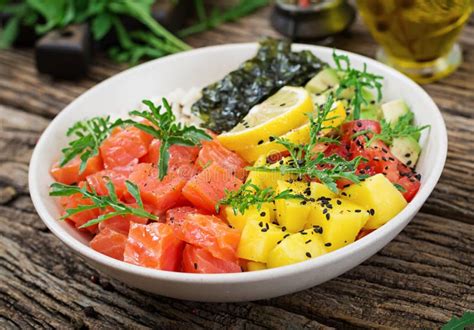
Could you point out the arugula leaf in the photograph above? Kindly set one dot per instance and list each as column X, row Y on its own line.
column 400, row 188
column 305, row 162
column 101, row 202
column 460, row 323
column 89, row 135
column 165, row 128
column 358, row 80
column 250, row 194
column 216, row 17
column 403, row 127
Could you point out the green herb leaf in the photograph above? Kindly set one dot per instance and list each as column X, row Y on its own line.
column 9, row 33
column 357, row 80
column 101, row 25
column 403, row 127
column 460, row 323
column 89, row 134
column 400, row 188
column 250, row 194
column 101, row 202
column 305, row 162
column 165, row 128
column 216, row 18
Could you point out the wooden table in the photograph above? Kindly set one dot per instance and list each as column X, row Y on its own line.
column 421, row 279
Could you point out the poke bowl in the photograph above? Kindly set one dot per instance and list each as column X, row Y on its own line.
column 196, row 69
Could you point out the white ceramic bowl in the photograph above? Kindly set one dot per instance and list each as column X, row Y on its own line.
column 200, row 67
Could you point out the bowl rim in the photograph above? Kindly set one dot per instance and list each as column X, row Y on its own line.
column 83, row 250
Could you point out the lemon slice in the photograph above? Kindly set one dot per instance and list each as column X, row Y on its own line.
column 281, row 112
column 299, row 135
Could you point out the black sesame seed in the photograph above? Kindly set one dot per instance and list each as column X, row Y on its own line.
column 407, row 154
column 286, row 235
column 267, row 226
column 260, row 142
column 264, row 230
column 195, row 266
column 262, row 214
column 328, row 216
column 338, row 202
column 318, row 229
column 308, row 254
column 358, row 211
column 344, row 193
column 283, row 228
column 307, row 242
column 409, row 163
column 271, row 138
column 260, row 224
column 359, row 124
column 327, row 244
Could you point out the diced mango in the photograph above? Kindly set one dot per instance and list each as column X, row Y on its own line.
column 295, row 248
column 270, row 179
column 293, row 213
column 340, row 221
column 321, row 190
column 255, row 176
column 378, row 195
column 253, row 266
column 238, row 220
column 258, row 239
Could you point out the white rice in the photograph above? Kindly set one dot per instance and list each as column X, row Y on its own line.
column 181, row 102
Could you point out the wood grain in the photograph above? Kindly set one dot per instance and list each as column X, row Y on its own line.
column 420, row 280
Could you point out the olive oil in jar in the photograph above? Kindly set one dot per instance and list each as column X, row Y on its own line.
column 417, row 36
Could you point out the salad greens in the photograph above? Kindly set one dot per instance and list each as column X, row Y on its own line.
column 163, row 126
column 101, row 202
column 305, row 162
column 89, row 135
column 403, row 127
column 356, row 80
column 250, row 194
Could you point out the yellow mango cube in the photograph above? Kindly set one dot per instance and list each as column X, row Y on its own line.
column 320, row 190
column 258, row 239
column 253, row 266
column 238, row 220
column 293, row 213
column 270, row 179
column 295, row 248
column 378, row 195
column 339, row 220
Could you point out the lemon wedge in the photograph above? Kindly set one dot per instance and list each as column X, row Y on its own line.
column 281, row 112
column 299, row 135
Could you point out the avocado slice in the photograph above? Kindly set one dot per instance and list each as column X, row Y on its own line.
column 371, row 111
column 325, row 79
column 406, row 149
column 393, row 110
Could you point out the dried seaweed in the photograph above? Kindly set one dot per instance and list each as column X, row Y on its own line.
column 225, row 102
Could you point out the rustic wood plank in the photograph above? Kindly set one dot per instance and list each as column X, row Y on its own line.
column 419, row 280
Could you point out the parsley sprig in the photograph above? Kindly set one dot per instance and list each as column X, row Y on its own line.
column 305, row 162
column 89, row 134
column 163, row 126
column 358, row 80
column 250, row 194
column 101, row 202
column 403, row 127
